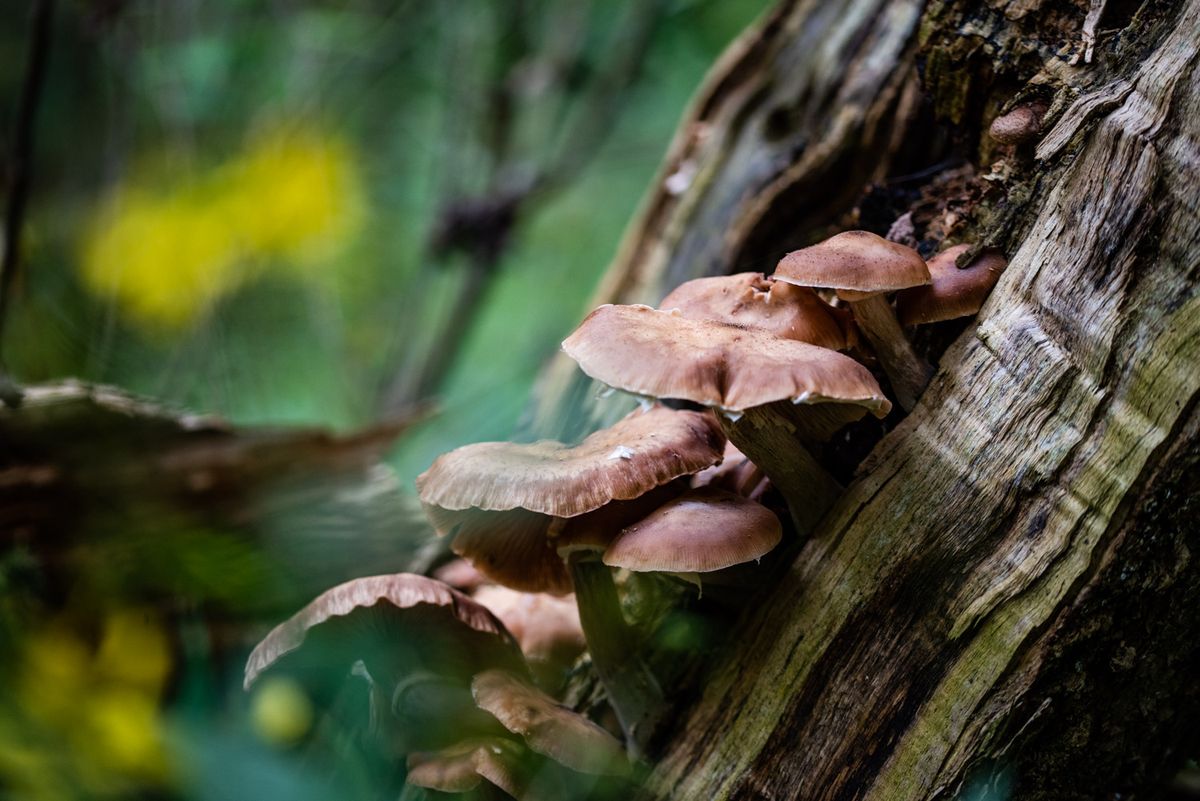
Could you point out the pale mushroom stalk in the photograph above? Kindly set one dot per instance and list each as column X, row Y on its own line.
column 423, row 696
column 632, row 689
column 908, row 372
column 769, row 437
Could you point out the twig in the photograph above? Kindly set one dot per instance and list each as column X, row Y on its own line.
column 1090, row 22
column 19, row 170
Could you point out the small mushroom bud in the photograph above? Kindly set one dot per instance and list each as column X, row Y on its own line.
column 955, row 291
column 1018, row 126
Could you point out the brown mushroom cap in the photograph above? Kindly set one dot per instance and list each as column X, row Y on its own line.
column 451, row 770
column 549, row 728
column 664, row 355
column 524, row 550
column 511, row 547
column 701, row 531
column 366, row 605
column 954, row 292
column 547, row 628
column 594, row 531
column 459, row 768
column 856, row 263
column 752, row 300
column 640, row 452
column 1021, row 124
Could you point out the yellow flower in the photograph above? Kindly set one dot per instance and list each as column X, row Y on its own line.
column 163, row 259
column 95, row 710
column 165, row 256
column 29, row 772
column 121, row 734
column 294, row 195
column 56, row 673
column 134, row 651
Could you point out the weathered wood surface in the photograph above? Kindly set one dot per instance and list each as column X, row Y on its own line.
column 924, row 610
column 1004, row 587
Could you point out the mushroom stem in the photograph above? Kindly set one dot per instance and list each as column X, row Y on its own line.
column 632, row 689
column 772, row 437
column 908, row 372
column 433, row 711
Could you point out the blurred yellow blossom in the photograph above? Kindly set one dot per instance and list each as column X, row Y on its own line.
column 55, row 659
column 122, row 733
column 94, row 707
column 281, row 711
column 294, row 196
column 133, row 650
column 164, row 256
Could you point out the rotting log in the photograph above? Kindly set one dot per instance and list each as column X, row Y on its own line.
column 1007, row 589
column 97, row 484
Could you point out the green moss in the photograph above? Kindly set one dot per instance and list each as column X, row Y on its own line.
column 948, row 76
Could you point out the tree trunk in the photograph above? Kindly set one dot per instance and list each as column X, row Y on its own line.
column 1005, row 593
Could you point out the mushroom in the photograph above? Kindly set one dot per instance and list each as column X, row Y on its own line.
column 547, row 628
column 510, row 547
column 461, row 575
column 642, row 451
column 509, row 504
column 736, row 473
column 461, row 767
column 1020, row 125
column 549, row 728
column 501, row 499
column 774, row 394
column 701, row 531
column 864, row 268
column 419, row 640
column 955, row 291
column 752, row 300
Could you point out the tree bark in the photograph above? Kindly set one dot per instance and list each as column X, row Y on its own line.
column 1006, row 591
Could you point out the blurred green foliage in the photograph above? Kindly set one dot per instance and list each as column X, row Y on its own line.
column 232, row 210
column 160, row 97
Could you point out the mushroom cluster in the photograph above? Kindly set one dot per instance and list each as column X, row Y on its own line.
column 768, row 353
column 747, row 381
column 546, row 517
column 768, row 361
